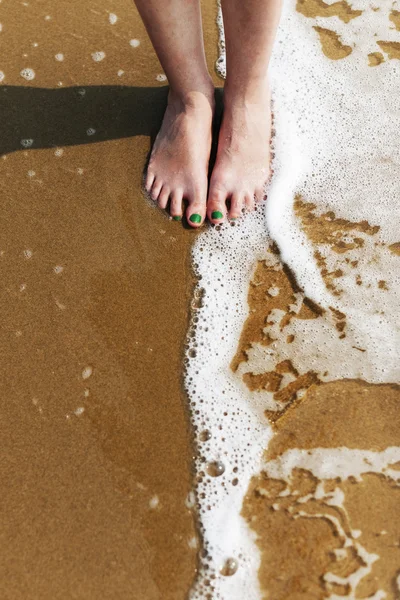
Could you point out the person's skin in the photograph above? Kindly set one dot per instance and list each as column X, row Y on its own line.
column 178, row 165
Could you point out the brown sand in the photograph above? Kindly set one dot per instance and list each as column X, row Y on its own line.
column 395, row 18
column 298, row 550
column 319, row 8
column 331, row 43
column 298, row 539
column 96, row 447
column 351, row 414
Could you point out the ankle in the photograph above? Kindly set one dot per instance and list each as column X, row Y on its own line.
column 201, row 96
column 248, row 94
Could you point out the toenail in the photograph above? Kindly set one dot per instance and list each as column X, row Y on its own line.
column 233, row 218
column 177, row 218
column 195, row 218
column 217, row 214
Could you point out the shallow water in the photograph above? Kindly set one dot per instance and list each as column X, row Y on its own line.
column 314, row 277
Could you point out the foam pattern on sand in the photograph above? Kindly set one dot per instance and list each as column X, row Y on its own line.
column 337, row 159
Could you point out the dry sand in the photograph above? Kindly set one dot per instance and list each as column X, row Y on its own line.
column 96, row 285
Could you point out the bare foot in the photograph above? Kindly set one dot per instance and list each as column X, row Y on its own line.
column 242, row 167
column 178, row 166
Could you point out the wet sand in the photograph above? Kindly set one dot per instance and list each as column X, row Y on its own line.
column 96, row 291
column 96, row 287
column 330, row 525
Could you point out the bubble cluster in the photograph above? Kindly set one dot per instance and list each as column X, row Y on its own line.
column 337, row 128
column 28, row 74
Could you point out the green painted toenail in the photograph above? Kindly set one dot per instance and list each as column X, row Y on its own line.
column 195, row 218
column 233, row 218
column 177, row 218
column 217, row 214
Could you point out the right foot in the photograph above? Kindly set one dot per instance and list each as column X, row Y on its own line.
column 178, row 166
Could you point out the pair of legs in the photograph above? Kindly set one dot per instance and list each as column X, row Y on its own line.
column 178, row 166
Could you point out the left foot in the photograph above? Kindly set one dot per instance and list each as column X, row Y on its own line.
column 242, row 167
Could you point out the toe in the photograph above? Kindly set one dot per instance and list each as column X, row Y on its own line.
column 196, row 211
column 176, row 205
column 259, row 194
column 216, row 206
column 249, row 202
column 149, row 180
column 237, row 201
column 163, row 197
column 156, row 189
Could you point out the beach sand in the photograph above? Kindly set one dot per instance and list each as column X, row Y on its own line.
column 329, row 522
column 98, row 452
column 96, row 286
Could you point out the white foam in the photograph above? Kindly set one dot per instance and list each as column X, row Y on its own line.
column 329, row 463
column 59, row 57
column 342, row 464
column 337, row 130
column 98, row 56
column 134, row 43
column 28, row 74
column 87, row 372
column 2, row 76
column 225, row 259
column 112, row 18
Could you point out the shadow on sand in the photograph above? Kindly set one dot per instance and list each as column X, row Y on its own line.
column 33, row 118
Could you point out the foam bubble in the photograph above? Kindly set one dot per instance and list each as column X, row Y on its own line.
column 134, row 43
column 2, row 76
column 112, row 18
column 28, row 74
column 87, row 372
column 98, row 56
column 59, row 57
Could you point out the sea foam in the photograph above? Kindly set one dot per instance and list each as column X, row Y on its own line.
column 336, row 146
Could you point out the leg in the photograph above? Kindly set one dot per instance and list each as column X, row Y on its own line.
column 179, row 160
column 242, row 165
